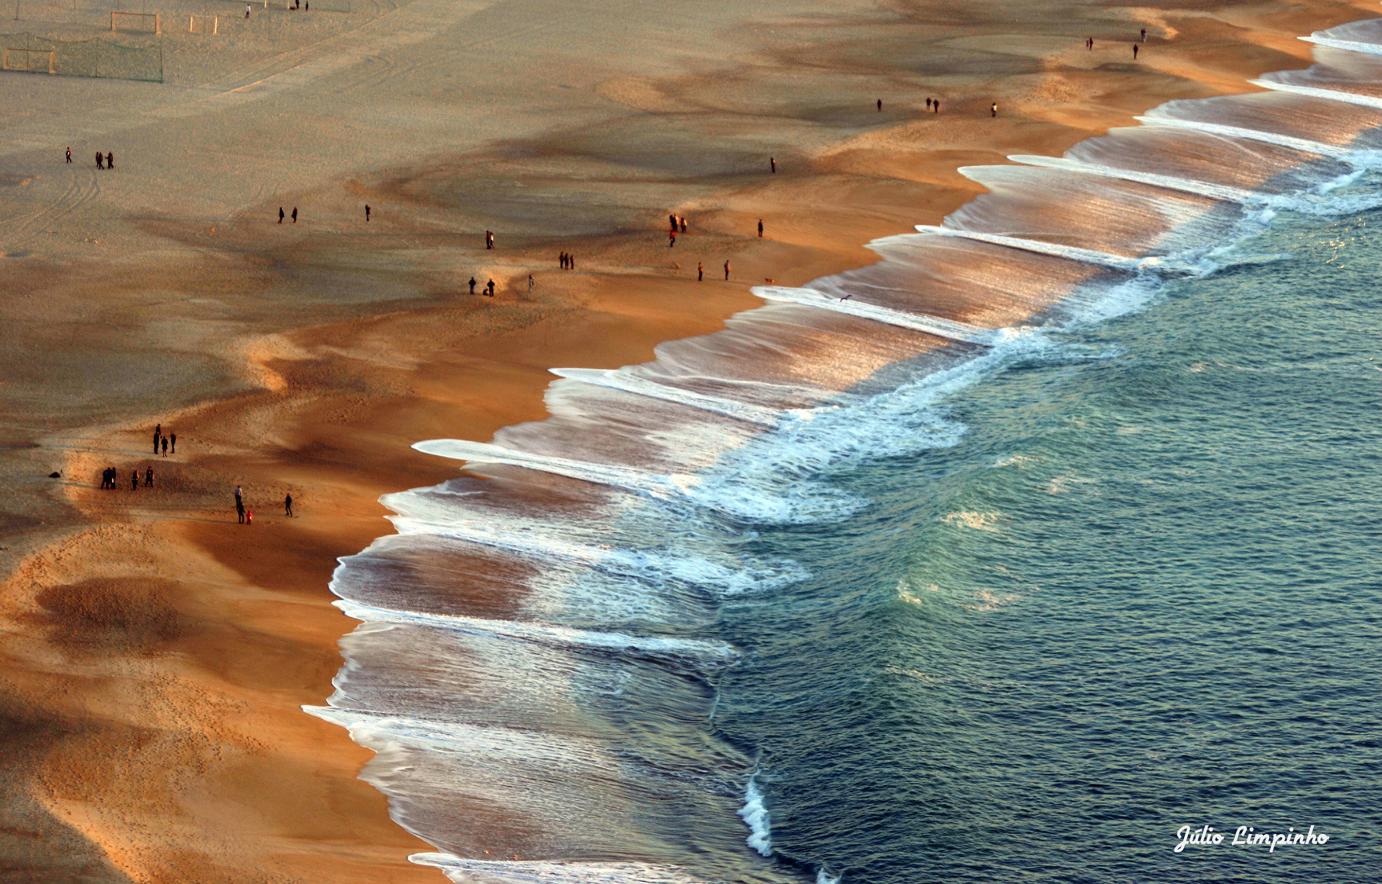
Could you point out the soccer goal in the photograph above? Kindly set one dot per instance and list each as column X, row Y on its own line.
column 203, row 24
column 136, row 21
column 36, row 61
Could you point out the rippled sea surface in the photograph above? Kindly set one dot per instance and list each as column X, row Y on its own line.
column 1144, row 591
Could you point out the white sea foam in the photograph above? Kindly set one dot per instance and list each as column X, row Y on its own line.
column 534, row 539
column 470, row 871
column 629, row 382
column 754, row 813
column 1322, row 38
column 1160, row 117
column 931, row 325
column 1168, row 182
column 1042, row 247
column 1317, row 92
column 706, row 650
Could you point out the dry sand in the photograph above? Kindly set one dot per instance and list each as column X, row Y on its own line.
column 156, row 654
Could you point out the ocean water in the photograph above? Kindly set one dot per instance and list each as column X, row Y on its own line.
column 1006, row 557
column 1144, row 591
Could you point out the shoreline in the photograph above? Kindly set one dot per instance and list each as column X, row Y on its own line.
column 333, row 404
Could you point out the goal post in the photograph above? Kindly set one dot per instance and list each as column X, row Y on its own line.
column 33, row 60
column 136, row 21
column 203, row 24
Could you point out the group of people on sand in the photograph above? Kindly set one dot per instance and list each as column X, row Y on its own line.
column 1141, row 38
column 282, row 215
column 567, row 261
column 162, row 440
column 103, row 160
column 245, row 516
column 110, row 478
column 488, row 290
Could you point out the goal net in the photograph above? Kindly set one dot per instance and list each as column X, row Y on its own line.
column 203, row 24
column 39, row 61
column 136, row 21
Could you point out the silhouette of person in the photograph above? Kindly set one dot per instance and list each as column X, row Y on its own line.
column 69, row 154
column 366, row 213
column 295, row 214
column 288, row 506
column 726, row 271
column 281, row 215
column 472, row 285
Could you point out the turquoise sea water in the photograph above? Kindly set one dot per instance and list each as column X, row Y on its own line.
column 1144, row 591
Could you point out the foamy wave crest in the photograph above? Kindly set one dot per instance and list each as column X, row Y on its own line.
column 670, row 646
column 754, row 813
column 533, row 539
column 471, row 871
column 931, row 325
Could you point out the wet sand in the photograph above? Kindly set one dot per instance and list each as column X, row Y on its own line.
column 158, row 654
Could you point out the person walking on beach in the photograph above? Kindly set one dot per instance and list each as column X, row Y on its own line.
column 993, row 109
column 295, row 214
column 110, row 160
column 148, row 477
column 928, row 102
column 760, row 228
column 247, row 10
column 173, row 437
column 682, row 219
column 489, row 288
column 158, row 432
column 1089, row 43
column 1134, row 52
column 366, row 213
column 165, row 446
column 472, row 285
column 100, row 160
column 239, row 511
column 134, row 480
column 489, row 239
column 880, row 105
column 562, row 259
column 570, row 261
column 726, row 271
column 772, row 164
column 936, row 106
column 530, row 283
column 700, row 272
column 288, row 505
column 281, row 215
column 69, row 154
column 671, row 237
column 1144, row 35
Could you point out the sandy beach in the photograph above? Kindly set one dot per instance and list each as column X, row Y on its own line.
column 157, row 654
